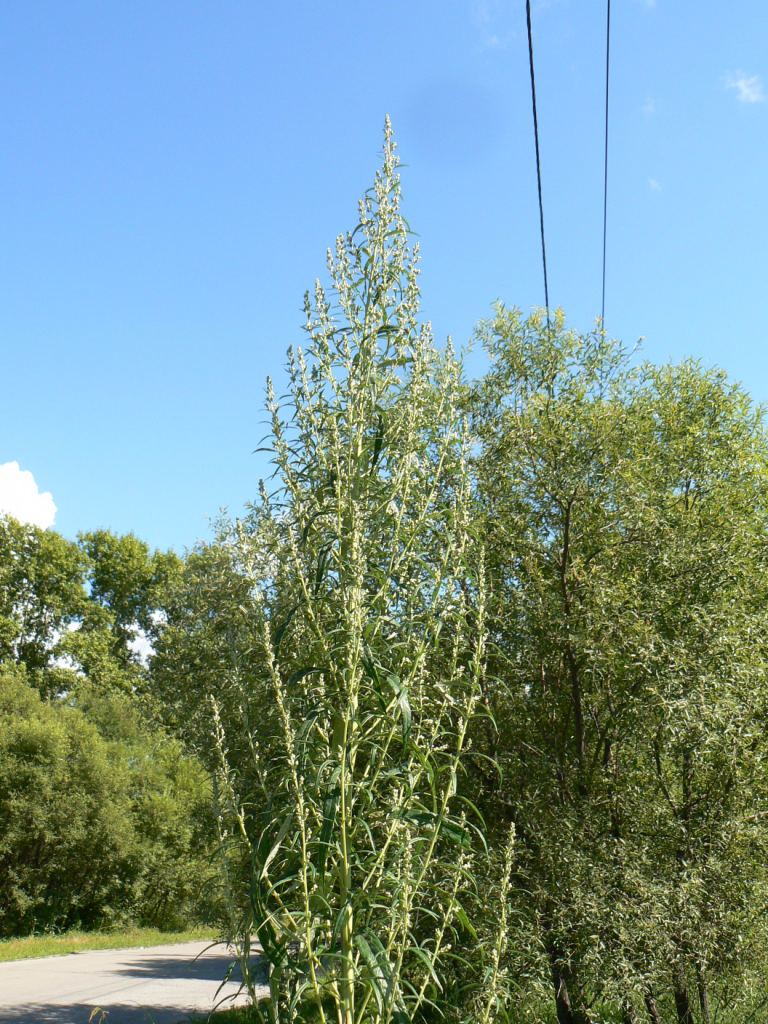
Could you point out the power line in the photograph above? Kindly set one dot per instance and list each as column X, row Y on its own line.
column 605, row 161
column 538, row 161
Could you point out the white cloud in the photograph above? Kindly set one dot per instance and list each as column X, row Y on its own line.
column 649, row 107
column 654, row 185
column 21, row 498
column 748, row 88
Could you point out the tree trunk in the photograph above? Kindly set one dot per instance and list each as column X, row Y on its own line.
column 701, row 984
column 567, row 1013
column 652, row 1008
column 562, row 996
column 682, row 1002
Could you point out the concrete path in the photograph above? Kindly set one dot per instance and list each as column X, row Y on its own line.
column 152, row 985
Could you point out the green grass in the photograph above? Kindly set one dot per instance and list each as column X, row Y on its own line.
column 77, row 942
column 243, row 1015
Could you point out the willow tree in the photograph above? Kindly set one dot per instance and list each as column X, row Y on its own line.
column 625, row 515
column 370, row 624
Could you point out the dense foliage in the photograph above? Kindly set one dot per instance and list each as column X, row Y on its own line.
column 477, row 690
column 588, row 532
column 103, row 822
column 104, row 818
column 625, row 513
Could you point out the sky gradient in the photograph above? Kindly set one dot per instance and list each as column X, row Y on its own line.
column 174, row 172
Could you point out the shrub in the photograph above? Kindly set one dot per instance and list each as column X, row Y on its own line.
column 66, row 834
column 101, row 819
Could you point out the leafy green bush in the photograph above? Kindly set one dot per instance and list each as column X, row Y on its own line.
column 171, row 814
column 101, row 819
column 67, row 843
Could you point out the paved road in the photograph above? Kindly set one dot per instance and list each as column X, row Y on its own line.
column 152, row 985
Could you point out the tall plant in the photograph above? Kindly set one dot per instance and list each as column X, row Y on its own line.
column 370, row 600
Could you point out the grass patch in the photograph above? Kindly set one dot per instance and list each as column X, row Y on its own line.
column 239, row 1015
column 78, row 942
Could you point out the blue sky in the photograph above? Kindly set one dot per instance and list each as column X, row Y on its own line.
column 174, row 171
